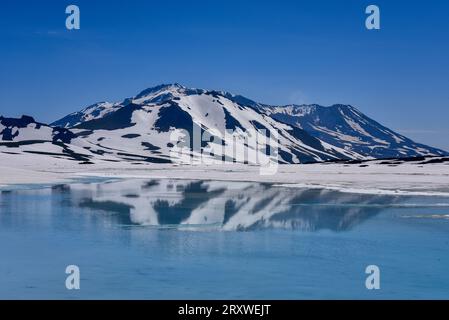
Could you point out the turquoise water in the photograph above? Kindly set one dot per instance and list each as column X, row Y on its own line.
column 173, row 239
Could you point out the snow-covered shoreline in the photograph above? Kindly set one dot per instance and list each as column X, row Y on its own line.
column 408, row 178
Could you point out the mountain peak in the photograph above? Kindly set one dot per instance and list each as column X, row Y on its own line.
column 162, row 87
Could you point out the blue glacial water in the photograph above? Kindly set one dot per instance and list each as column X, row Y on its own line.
column 173, row 239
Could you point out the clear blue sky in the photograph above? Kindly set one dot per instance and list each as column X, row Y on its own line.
column 275, row 52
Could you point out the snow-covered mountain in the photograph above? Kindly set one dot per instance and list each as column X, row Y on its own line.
column 142, row 128
column 164, row 123
column 26, row 129
column 25, row 135
column 346, row 127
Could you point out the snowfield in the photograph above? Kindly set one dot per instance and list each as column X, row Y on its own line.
column 373, row 177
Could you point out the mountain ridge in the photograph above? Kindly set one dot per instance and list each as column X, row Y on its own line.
column 140, row 128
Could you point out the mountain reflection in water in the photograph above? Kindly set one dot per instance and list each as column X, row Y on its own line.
column 199, row 205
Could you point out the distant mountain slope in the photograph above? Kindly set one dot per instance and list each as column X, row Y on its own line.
column 346, row 127
column 94, row 111
column 30, row 137
column 140, row 128
column 26, row 129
